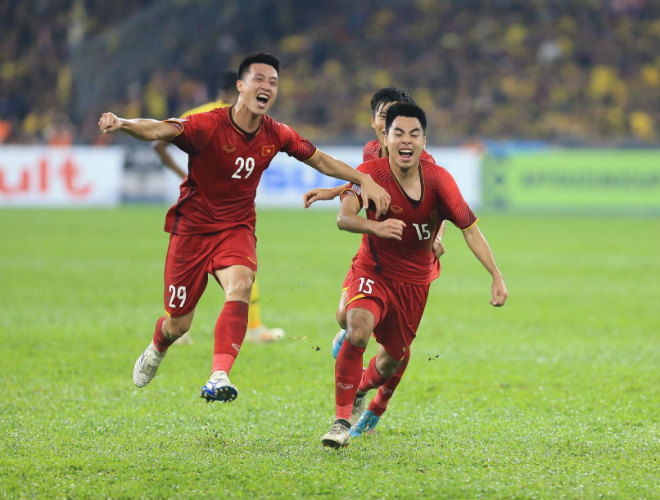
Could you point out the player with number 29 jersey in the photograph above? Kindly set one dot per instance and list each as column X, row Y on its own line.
column 219, row 195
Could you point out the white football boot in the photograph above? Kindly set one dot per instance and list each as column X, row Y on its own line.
column 338, row 435
column 146, row 365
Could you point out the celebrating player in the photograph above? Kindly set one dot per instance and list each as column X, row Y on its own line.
column 394, row 266
column 212, row 225
column 376, row 148
column 227, row 95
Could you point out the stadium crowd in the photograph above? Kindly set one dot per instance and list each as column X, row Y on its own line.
column 584, row 73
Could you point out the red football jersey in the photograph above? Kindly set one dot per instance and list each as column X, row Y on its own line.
column 411, row 260
column 225, row 165
column 371, row 151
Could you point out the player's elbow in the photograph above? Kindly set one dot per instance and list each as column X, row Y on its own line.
column 342, row 222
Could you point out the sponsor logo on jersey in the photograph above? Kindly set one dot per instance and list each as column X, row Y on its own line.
column 228, row 148
column 268, row 150
column 396, row 209
column 251, row 260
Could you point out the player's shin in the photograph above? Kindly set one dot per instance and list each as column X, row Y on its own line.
column 229, row 334
column 371, row 378
column 385, row 392
column 348, row 371
column 161, row 342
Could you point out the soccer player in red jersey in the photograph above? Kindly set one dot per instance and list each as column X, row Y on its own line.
column 212, row 225
column 228, row 93
column 374, row 149
column 394, row 266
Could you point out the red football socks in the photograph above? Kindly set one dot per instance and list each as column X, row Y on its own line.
column 380, row 401
column 229, row 334
column 371, row 378
column 348, row 370
column 161, row 342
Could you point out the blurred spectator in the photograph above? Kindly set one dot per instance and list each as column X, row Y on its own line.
column 574, row 72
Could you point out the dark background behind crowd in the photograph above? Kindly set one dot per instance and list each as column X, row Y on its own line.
column 585, row 72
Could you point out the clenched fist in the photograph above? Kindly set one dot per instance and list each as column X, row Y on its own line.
column 109, row 122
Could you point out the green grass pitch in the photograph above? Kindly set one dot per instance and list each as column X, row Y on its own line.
column 556, row 395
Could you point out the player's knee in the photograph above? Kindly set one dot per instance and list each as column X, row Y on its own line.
column 387, row 366
column 176, row 327
column 357, row 336
column 240, row 289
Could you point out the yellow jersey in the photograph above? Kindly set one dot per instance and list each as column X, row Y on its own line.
column 206, row 107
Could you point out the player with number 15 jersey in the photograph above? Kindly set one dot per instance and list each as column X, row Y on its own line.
column 440, row 199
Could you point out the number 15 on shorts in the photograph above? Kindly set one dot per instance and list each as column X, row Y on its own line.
column 366, row 285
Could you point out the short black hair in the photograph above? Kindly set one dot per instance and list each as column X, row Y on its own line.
column 259, row 57
column 228, row 81
column 405, row 109
column 389, row 94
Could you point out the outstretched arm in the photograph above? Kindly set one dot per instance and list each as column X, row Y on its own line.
column 318, row 194
column 349, row 220
column 144, row 129
column 370, row 190
column 481, row 250
column 160, row 147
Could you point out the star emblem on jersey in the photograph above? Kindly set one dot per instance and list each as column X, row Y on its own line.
column 268, row 150
column 228, row 148
column 396, row 209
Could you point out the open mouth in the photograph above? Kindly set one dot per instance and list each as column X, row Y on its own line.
column 263, row 98
column 406, row 154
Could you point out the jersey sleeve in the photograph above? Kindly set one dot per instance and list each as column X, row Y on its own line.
column 456, row 208
column 294, row 145
column 197, row 132
column 355, row 189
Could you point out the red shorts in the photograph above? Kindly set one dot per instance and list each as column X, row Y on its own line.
column 190, row 259
column 397, row 308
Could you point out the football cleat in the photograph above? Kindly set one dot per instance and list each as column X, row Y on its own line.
column 338, row 435
column 366, row 424
column 263, row 334
column 146, row 365
column 219, row 388
column 337, row 342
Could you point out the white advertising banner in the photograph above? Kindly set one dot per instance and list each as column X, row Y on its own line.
column 60, row 176
column 286, row 179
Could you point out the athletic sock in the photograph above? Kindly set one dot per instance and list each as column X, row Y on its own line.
column 371, row 378
column 379, row 403
column 348, row 370
column 229, row 334
column 161, row 342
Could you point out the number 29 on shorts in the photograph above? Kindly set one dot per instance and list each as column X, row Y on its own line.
column 177, row 294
